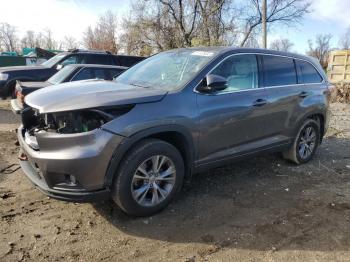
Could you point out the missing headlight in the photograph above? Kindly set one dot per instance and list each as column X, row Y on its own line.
column 70, row 122
column 76, row 121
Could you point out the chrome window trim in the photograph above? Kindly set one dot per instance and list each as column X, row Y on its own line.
column 263, row 87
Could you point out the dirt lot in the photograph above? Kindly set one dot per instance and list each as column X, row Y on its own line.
column 262, row 209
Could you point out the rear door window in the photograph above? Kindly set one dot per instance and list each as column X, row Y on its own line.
column 279, row 71
column 309, row 73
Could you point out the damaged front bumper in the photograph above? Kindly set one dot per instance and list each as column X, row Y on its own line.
column 69, row 167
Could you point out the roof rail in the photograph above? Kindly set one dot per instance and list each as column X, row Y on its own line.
column 88, row 51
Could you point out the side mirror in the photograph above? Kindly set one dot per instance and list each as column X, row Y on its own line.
column 214, row 83
column 59, row 67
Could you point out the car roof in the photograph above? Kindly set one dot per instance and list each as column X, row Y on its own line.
column 218, row 50
column 98, row 66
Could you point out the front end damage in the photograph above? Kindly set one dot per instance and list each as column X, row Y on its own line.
column 66, row 154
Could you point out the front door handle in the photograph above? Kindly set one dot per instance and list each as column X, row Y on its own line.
column 303, row 94
column 259, row 102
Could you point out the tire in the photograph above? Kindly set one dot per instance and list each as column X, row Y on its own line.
column 295, row 152
column 129, row 181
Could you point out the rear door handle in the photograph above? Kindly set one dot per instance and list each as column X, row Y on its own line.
column 303, row 94
column 259, row 102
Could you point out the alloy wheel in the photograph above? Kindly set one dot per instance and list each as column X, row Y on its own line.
column 307, row 142
column 153, row 180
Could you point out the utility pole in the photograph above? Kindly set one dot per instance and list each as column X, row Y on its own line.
column 264, row 35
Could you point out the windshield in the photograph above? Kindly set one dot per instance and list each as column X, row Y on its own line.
column 53, row 60
column 61, row 75
column 168, row 70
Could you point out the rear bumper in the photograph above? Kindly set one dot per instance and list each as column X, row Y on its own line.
column 85, row 157
column 16, row 107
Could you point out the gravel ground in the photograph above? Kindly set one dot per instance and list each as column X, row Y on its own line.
column 261, row 209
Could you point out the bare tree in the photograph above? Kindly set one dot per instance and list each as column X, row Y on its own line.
column 28, row 40
column 281, row 45
column 40, row 40
column 69, row 42
column 89, row 38
column 156, row 25
column 104, row 35
column 149, row 28
column 344, row 41
column 184, row 15
column 8, row 37
column 320, row 49
column 287, row 12
column 216, row 23
column 49, row 41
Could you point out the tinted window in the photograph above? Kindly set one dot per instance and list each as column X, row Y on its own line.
column 279, row 71
column 240, row 71
column 128, row 60
column 100, row 73
column 93, row 73
column 83, row 75
column 309, row 73
column 100, row 59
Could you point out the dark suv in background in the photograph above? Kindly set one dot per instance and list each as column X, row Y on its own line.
column 171, row 115
column 9, row 75
column 69, row 73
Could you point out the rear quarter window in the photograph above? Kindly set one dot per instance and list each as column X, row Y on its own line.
column 279, row 71
column 308, row 72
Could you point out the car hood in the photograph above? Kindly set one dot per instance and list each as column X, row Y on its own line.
column 10, row 69
column 90, row 94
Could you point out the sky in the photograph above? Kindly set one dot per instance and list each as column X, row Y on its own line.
column 71, row 17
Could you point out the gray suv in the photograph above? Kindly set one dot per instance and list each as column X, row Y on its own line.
column 174, row 114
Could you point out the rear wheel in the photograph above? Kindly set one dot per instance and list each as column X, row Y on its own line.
column 149, row 178
column 305, row 143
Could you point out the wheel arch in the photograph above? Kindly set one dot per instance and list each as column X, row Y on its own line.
column 175, row 135
column 318, row 116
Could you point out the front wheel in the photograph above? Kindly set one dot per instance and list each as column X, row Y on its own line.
column 305, row 143
column 149, row 177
